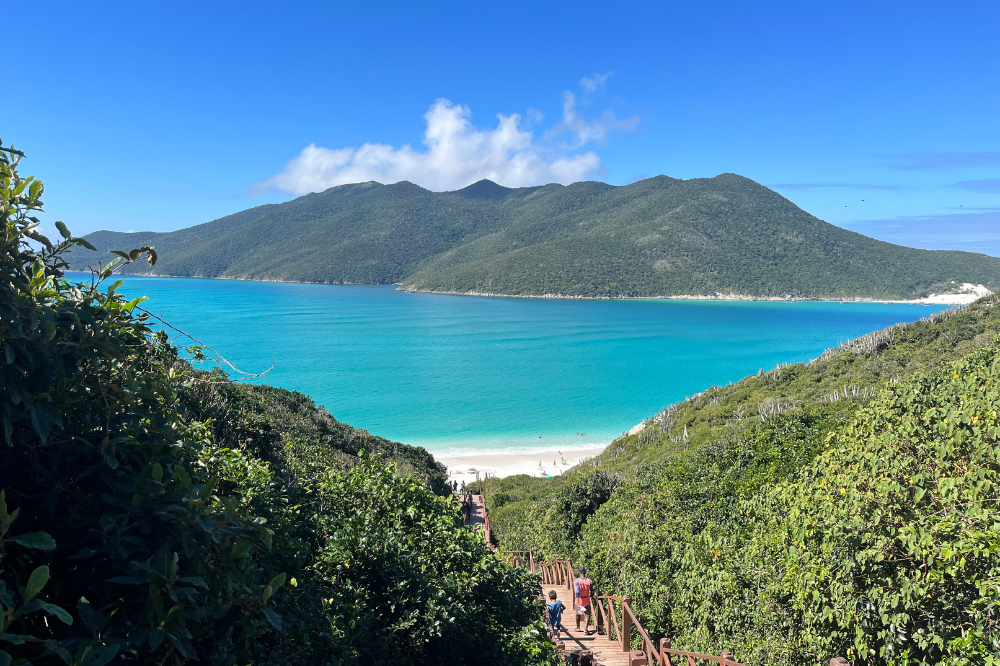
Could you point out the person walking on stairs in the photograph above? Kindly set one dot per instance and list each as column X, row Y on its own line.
column 582, row 588
column 554, row 611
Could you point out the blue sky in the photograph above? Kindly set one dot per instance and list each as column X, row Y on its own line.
column 881, row 117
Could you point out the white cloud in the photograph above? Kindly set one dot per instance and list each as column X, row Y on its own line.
column 457, row 154
column 588, row 131
column 592, row 83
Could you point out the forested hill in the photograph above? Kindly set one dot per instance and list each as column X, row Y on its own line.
column 656, row 237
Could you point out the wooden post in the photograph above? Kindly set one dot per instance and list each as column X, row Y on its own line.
column 664, row 656
column 531, row 561
column 725, row 656
column 637, row 658
column 586, row 658
column 626, row 625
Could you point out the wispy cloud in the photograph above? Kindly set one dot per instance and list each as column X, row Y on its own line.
column 850, row 186
column 457, row 153
column 987, row 185
column 943, row 161
column 584, row 131
column 592, row 83
column 971, row 232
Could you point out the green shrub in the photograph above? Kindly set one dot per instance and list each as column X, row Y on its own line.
column 894, row 532
column 154, row 514
column 156, row 562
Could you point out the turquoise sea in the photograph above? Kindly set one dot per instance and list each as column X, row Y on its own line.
column 459, row 374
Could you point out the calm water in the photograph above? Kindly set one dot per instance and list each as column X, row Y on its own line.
column 454, row 373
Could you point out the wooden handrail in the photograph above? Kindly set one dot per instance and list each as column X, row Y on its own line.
column 614, row 620
column 724, row 659
column 487, row 532
column 650, row 649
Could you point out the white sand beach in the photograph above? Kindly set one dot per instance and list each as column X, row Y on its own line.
column 537, row 463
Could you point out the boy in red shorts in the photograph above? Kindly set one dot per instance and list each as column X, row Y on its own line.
column 582, row 588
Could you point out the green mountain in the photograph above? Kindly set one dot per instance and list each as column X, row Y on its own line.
column 656, row 237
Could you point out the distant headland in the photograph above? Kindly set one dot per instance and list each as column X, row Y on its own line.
column 726, row 237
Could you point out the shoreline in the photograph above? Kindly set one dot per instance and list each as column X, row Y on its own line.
column 932, row 299
column 539, row 464
column 976, row 292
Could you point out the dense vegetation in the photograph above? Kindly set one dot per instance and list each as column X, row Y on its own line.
column 151, row 513
column 657, row 237
column 849, row 506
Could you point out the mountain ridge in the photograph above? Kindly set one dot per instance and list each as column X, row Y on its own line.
column 658, row 237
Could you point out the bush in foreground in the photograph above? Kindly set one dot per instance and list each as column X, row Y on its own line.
column 129, row 534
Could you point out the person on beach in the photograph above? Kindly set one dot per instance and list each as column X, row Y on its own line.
column 582, row 588
column 463, row 486
column 554, row 615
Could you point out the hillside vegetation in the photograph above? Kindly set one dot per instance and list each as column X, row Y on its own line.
column 657, row 237
column 849, row 506
column 151, row 513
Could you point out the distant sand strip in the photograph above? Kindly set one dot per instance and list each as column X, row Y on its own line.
column 539, row 463
column 962, row 295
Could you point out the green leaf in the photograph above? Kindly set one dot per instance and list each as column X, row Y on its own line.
column 157, row 472
column 61, row 651
column 277, row 582
column 182, row 476
column 101, row 655
column 272, row 617
column 111, row 461
column 41, row 239
column 84, row 243
column 44, row 417
column 6, row 519
column 36, row 581
column 58, row 611
column 156, row 636
column 15, row 639
column 36, row 540
column 194, row 580
column 63, row 230
column 134, row 302
column 242, row 548
column 35, row 190
column 127, row 580
column 87, row 614
column 209, row 487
